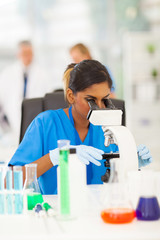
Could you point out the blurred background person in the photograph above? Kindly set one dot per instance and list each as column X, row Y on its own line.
column 80, row 52
column 22, row 79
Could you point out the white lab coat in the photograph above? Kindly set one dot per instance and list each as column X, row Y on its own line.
column 12, row 86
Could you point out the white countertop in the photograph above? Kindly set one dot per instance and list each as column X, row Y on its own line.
column 88, row 226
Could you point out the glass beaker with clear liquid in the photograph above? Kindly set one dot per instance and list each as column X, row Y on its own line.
column 31, row 186
column 118, row 208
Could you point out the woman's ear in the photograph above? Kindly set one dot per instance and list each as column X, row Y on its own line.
column 70, row 96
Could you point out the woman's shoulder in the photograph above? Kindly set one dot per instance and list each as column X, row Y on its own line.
column 47, row 118
column 49, row 113
column 53, row 115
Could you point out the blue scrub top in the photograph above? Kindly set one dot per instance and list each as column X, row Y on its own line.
column 42, row 136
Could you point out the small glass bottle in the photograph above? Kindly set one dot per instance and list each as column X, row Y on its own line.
column 31, row 186
column 118, row 208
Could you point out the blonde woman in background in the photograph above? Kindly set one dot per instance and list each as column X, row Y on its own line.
column 80, row 52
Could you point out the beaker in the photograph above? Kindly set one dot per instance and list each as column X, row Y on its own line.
column 118, row 208
column 31, row 186
column 63, row 178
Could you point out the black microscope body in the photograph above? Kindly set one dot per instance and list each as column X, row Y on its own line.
column 109, row 105
column 108, row 156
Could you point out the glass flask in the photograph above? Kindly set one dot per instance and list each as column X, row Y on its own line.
column 31, row 186
column 148, row 207
column 118, row 209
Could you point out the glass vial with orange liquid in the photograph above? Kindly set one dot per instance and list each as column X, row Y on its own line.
column 118, row 208
column 31, row 187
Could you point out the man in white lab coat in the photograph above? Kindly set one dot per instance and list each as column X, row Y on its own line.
column 23, row 79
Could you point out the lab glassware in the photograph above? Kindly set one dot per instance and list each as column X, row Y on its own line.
column 9, row 191
column 18, row 187
column 31, row 186
column 63, row 178
column 2, row 195
column 148, row 207
column 118, row 208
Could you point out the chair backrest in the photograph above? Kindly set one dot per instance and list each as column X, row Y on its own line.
column 55, row 100
column 30, row 109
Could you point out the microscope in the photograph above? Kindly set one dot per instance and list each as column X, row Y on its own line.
column 110, row 119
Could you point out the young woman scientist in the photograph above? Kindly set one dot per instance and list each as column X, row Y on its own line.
column 88, row 80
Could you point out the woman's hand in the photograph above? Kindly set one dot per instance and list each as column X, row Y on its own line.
column 86, row 154
column 144, row 156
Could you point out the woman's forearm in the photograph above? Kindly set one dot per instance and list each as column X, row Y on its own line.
column 43, row 165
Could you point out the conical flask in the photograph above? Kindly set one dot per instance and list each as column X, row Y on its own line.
column 118, row 209
column 148, row 208
column 31, row 186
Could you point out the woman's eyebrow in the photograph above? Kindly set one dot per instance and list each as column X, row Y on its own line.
column 91, row 96
column 96, row 98
column 107, row 95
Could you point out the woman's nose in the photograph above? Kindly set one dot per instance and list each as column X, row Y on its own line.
column 100, row 104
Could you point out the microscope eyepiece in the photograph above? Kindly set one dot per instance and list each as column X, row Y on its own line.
column 109, row 105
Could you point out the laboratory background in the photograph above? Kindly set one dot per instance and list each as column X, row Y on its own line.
column 123, row 35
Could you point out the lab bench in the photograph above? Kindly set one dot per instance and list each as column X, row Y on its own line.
column 87, row 226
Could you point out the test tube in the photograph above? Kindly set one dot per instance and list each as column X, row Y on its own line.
column 18, row 186
column 9, row 191
column 2, row 195
column 63, row 179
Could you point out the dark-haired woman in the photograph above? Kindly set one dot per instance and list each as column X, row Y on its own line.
column 88, row 80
